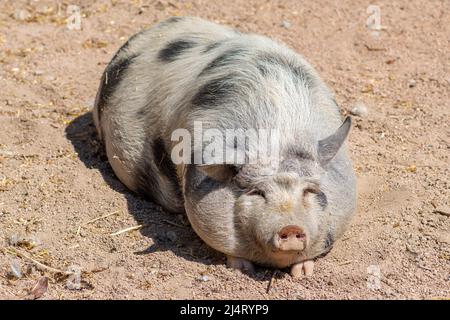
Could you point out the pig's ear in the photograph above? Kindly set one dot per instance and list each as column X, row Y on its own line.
column 218, row 172
column 329, row 146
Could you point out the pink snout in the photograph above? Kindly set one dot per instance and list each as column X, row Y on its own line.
column 290, row 238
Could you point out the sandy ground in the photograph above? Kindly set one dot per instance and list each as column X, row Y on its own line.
column 54, row 179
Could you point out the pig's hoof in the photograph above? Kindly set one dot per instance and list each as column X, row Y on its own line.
column 240, row 264
column 303, row 268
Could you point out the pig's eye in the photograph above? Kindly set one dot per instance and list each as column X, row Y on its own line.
column 256, row 192
column 310, row 190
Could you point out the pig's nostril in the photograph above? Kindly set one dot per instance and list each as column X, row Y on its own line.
column 290, row 238
column 291, row 232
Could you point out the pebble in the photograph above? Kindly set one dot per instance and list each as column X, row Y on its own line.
column 15, row 269
column 286, row 24
column 50, row 78
column 203, row 278
column 21, row 15
column 14, row 239
column 17, row 240
column 359, row 110
column 6, row 153
column 412, row 83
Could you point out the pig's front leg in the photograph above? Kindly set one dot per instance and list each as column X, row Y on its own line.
column 303, row 268
column 240, row 264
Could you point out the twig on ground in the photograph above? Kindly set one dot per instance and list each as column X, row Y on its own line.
column 95, row 219
column 102, row 217
column 442, row 212
column 37, row 263
column 271, row 281
column 127, row 230
column 425, row 268
column 174, row 224
column 345, row 262
column 373, row 48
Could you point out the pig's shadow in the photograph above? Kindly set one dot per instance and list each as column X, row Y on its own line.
column 166, row 230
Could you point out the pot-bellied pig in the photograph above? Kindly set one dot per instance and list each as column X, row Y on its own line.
column 280, row 210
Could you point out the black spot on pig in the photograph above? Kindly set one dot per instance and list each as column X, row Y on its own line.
column 111, row 78
column 329, row 241
column 299, row 153
column 164, row 162
column 213, row 45
column 225, row 59
column 147, row 183
column 198, row 184
column 215, row 92
column 170, row 21
column 328, row 245
column 126, row 45
column 175, row 49
column 156, row 177
column 267, row 61
column 322, row 199
column 263, row 69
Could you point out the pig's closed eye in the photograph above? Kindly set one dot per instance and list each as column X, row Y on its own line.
column 310, row 190
column 256, row 192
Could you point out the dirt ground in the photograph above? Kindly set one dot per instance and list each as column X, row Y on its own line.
column 54, row 179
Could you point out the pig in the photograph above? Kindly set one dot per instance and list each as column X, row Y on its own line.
column 282, row 213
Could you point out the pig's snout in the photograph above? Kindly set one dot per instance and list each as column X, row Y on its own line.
column 290, row 238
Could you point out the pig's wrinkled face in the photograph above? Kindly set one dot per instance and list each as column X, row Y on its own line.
column 281, row 214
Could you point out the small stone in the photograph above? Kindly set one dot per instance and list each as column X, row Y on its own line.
column 15, row 269
column 14, row 239
column 50, row 78
column 20, row 241
column 21, row 15
column 286, row 24
column 203, row 278
column 38, row 72
column 171, row 236
column 359, row 110
column 6, row 153
column 412, row 83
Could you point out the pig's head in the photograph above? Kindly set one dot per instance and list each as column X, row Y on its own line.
column 279, row 216
column 272, row 216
